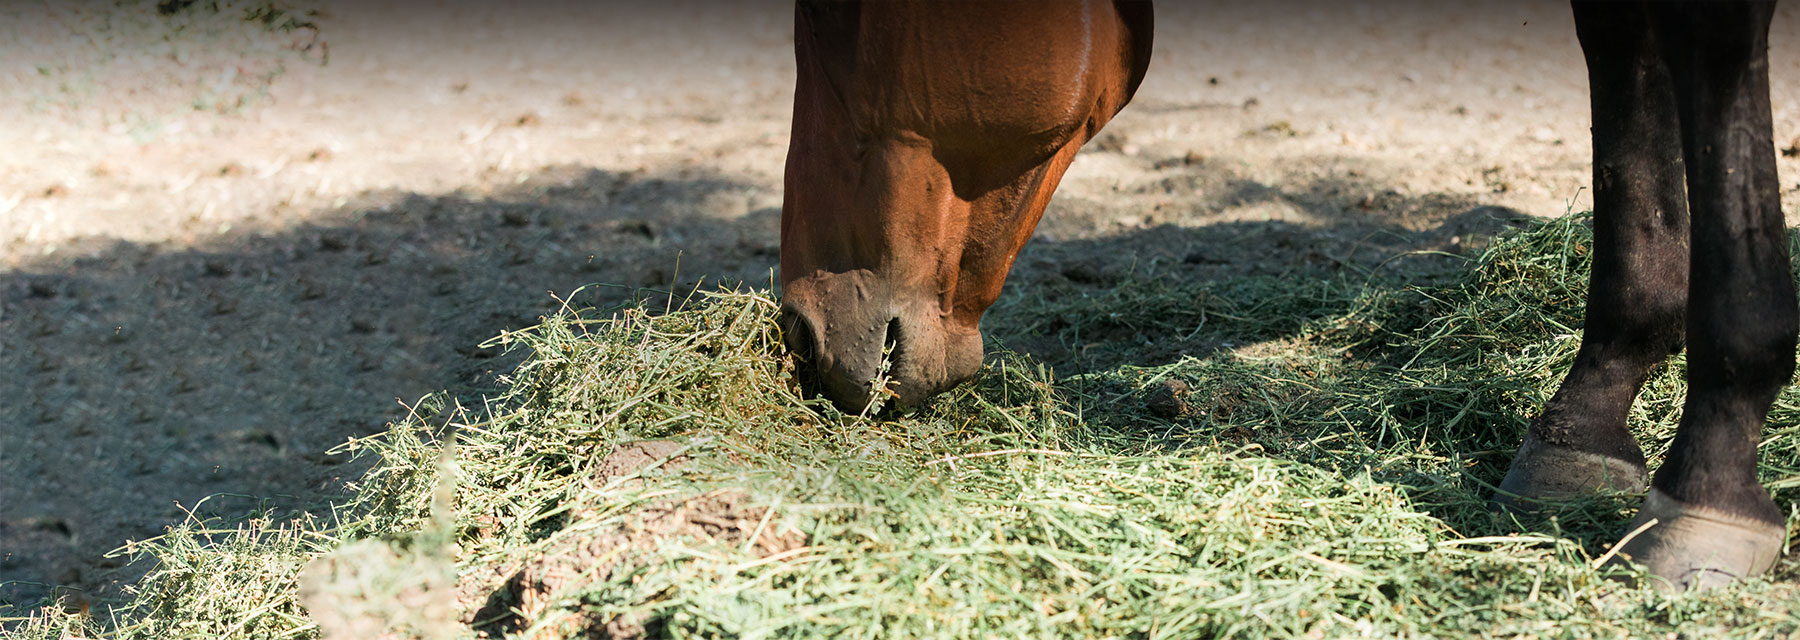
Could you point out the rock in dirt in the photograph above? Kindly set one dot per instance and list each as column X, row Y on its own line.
column 1168, row 399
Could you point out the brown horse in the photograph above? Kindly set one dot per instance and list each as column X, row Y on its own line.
column 929, row 136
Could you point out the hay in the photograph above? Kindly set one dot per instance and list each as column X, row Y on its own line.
column 1327, row 477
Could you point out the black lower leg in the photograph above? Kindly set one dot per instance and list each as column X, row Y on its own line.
column 1637, row 292
column 1742, row 316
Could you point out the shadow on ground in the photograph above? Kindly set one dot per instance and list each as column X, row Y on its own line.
column 154, row 376
column 147, row 377
column 1070, row 303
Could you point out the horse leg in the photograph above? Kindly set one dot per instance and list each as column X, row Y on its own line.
column 1714, row 522
column 1637, row 289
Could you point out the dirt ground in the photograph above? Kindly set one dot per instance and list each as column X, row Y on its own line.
column 217, row 263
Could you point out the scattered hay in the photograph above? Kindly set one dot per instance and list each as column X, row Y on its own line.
column 657, row 475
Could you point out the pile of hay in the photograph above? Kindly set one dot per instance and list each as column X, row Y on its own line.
column 657, row 475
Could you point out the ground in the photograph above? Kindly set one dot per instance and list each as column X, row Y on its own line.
column 218, row 261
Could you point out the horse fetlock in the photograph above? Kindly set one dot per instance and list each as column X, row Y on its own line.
column 1694, row 547
column 1543, row 472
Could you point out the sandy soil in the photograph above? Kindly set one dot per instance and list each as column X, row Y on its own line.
column 201, row 302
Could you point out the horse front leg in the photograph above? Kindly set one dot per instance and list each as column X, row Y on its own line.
column 1637, row 290
column 1713, row 521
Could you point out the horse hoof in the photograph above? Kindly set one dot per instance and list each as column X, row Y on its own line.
column 1697, row 548
column 1544, row 472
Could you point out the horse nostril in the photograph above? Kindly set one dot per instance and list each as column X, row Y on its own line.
column 797, row 336
column 891, row 346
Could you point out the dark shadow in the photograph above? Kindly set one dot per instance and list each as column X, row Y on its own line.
column 146, row 377
column 1186, row 290
column 151, row 376
column 1351, row 231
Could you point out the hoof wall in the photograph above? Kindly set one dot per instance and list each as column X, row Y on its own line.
column 1697, row 548
column 1544, row 472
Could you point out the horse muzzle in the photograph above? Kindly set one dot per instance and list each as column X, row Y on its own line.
column 854, row 343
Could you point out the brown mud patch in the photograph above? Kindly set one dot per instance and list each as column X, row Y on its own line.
column 539, row 590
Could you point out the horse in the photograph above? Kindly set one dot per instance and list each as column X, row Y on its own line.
column 929, row 136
